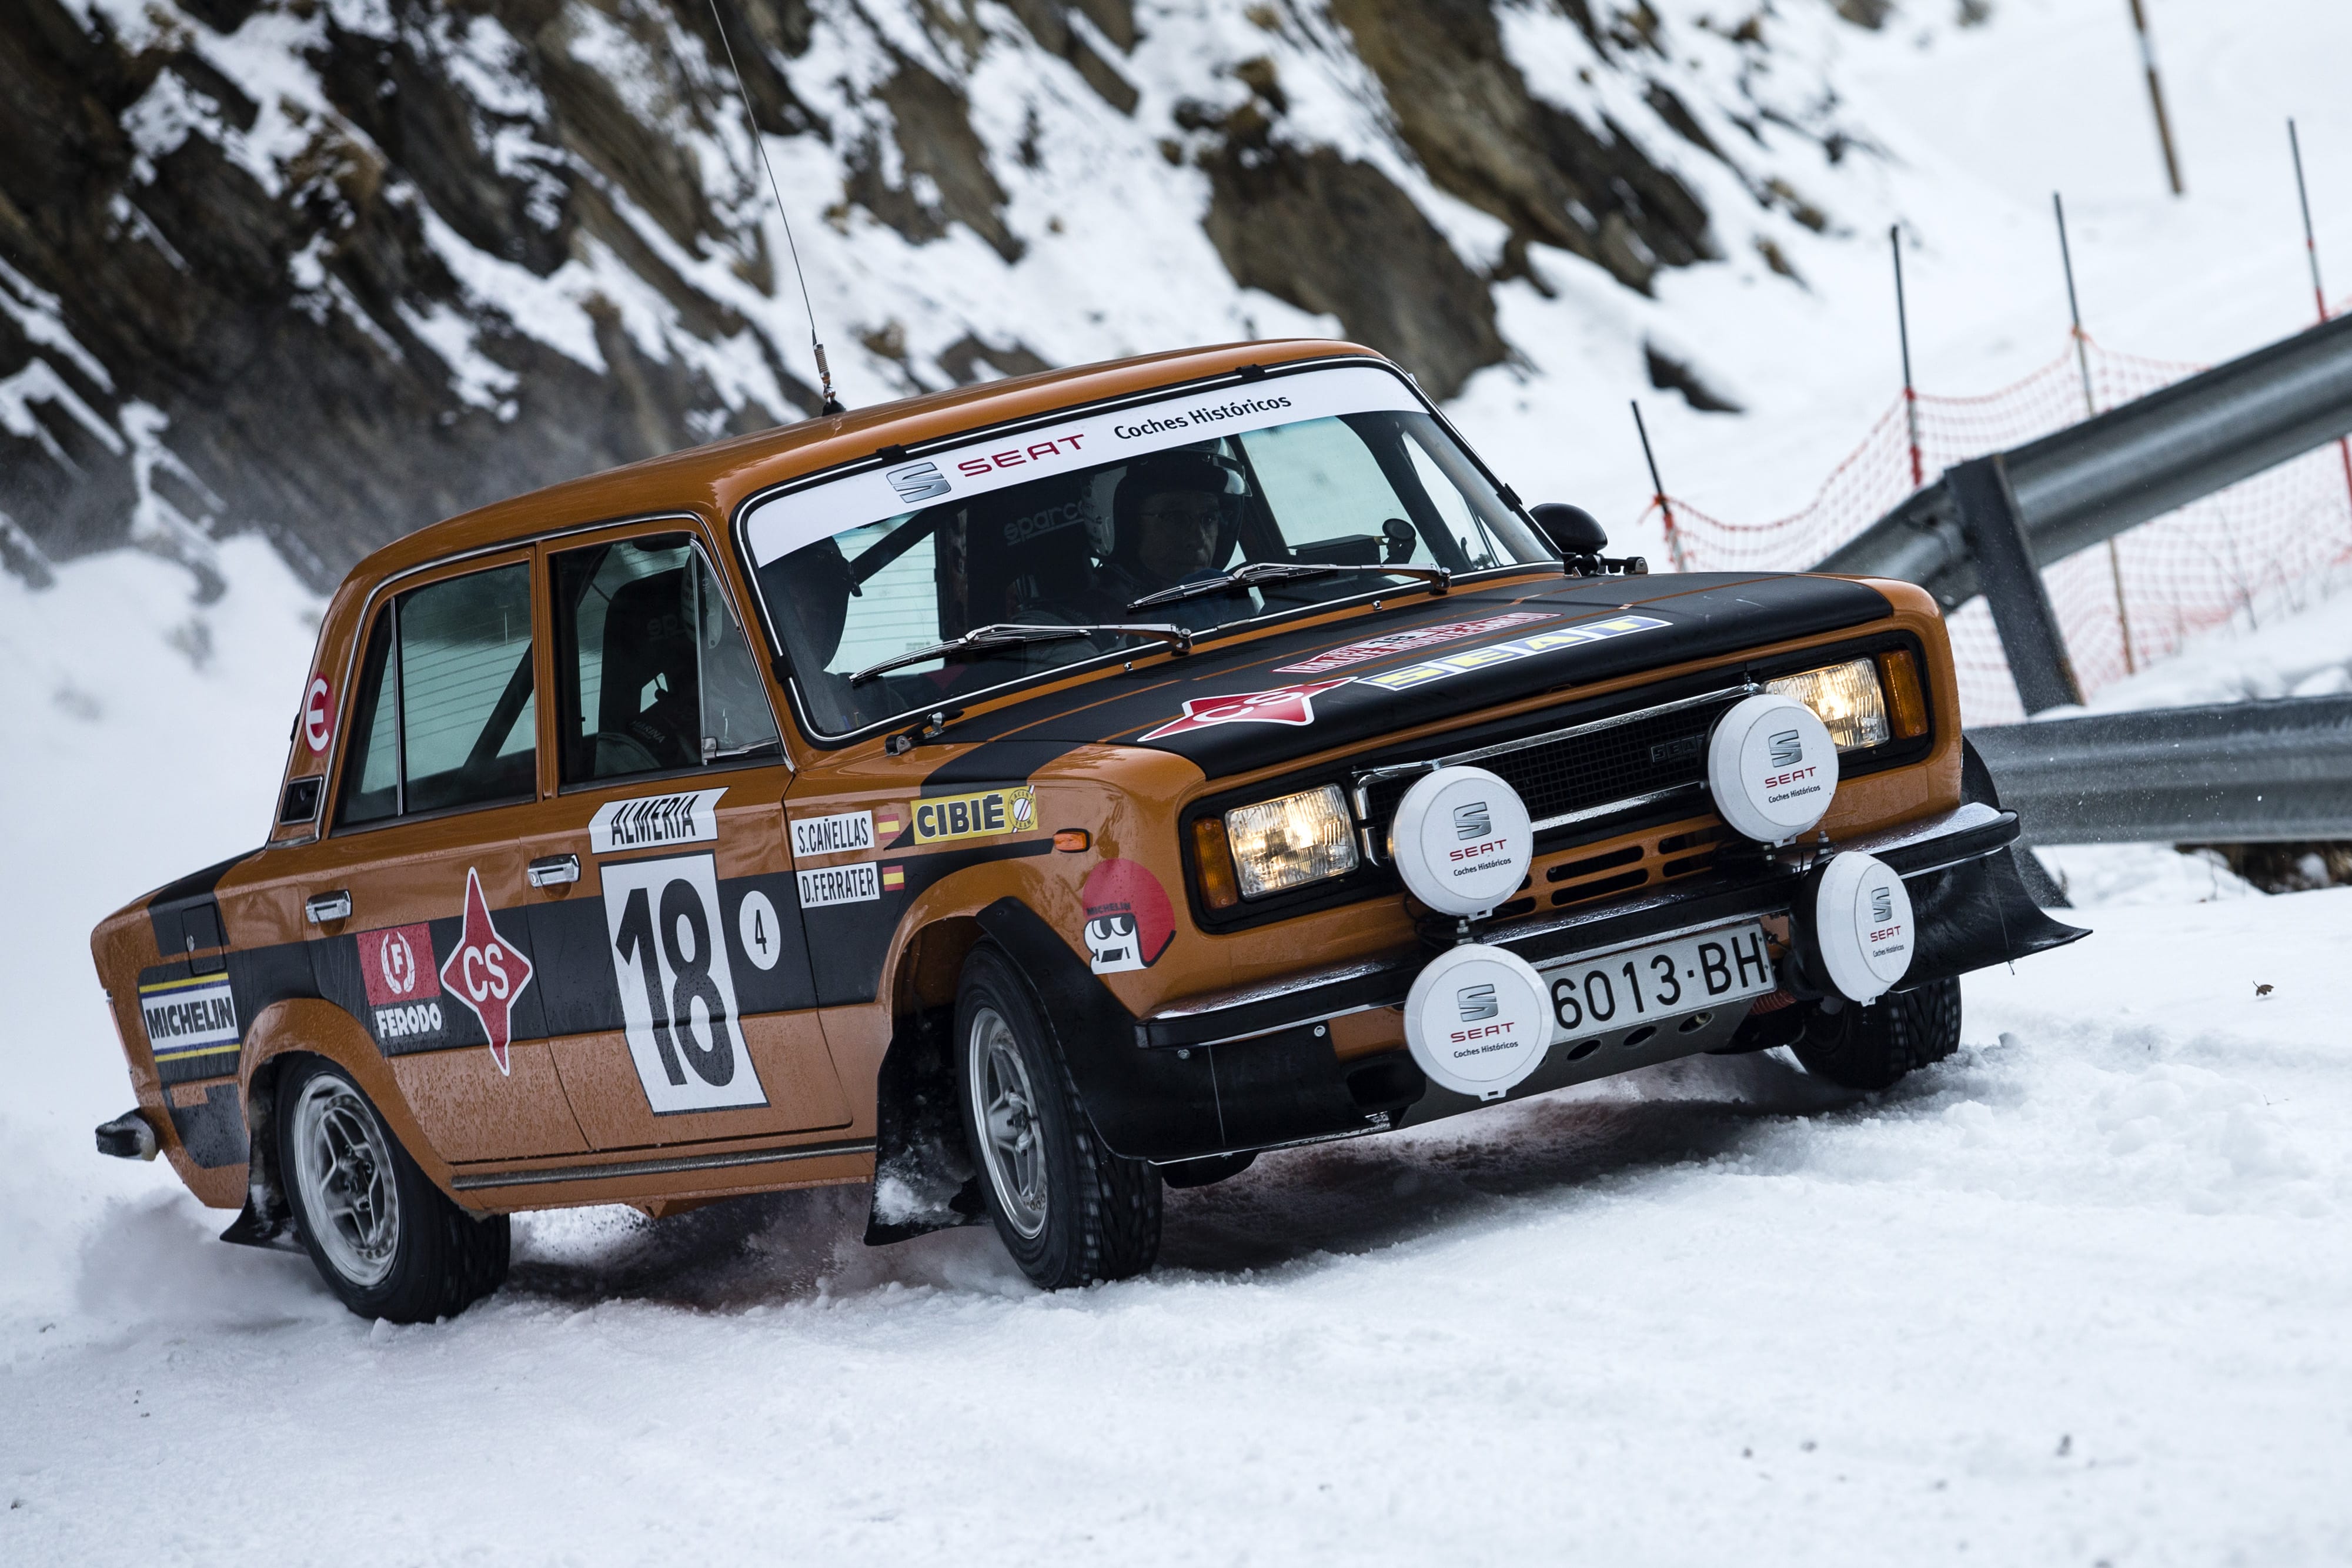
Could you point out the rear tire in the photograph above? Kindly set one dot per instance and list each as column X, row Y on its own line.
column 1873, row 1047
column 1069, row 1210
column 381, row 1235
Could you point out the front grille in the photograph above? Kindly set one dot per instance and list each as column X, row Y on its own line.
column 1583, row 773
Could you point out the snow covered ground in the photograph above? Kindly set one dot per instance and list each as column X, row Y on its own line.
column 2076, row 1296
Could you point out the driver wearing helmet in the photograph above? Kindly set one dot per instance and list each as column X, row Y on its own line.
column 1170, row 521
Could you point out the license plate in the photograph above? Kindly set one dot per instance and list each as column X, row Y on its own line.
column 1633, row 986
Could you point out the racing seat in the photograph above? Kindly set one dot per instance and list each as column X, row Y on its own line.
column 649, row 701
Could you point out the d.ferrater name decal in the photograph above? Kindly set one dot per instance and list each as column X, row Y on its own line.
column 651, row 822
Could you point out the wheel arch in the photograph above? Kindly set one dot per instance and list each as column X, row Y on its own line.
column 282, row 1034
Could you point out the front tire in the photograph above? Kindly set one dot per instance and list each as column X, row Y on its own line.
column 1069, row 1210
column 381, row 1234
column 1873, row 1047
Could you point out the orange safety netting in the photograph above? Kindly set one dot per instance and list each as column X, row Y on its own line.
column 2254, row 545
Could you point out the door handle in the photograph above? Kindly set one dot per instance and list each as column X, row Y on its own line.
column 325, row 906
column 549, row 870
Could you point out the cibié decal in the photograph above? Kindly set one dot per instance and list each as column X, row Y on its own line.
column 318, row 715
column 1130, row 920
column 190, row 1018
column 985, row 813
column 487, row 973
column 398, row 966
column 655, row 821
column 1282, row 705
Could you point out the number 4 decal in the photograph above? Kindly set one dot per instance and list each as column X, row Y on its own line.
column 677, row 993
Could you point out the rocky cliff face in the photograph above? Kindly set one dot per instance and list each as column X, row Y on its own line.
column 329, row 269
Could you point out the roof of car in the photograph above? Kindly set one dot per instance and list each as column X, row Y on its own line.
column 713, row 478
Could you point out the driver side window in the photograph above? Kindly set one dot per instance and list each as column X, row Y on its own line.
column 653, row 675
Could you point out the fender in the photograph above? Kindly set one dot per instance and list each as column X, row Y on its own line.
column 1164, row 1104
column 308, row 1025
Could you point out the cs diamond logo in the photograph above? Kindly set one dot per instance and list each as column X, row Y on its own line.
column 486, row 974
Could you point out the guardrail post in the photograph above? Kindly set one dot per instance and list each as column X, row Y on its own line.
column 2021, row 613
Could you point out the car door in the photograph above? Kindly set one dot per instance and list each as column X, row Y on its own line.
column 685, row 1008
column 415, row 895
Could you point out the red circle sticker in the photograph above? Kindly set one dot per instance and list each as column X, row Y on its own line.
column 1129, row 921
column 319, row 714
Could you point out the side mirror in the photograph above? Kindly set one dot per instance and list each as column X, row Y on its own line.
column 1575, row 531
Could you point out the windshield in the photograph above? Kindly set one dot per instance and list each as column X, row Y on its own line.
column 1029, row 532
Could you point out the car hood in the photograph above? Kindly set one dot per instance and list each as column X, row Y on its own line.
column 1230, row 707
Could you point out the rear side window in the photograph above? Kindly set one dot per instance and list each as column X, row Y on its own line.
column 448, row 717
column 653, row 675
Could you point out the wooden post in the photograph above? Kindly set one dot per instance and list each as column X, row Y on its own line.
column 1658, row 487
column 2311, row 250
column 2155, row 94
column 1903, row 334
column 2090, row 408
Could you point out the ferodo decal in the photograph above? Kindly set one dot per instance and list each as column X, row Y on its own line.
column 834, row 835
column 487, row 973
column 678, row 992
column 1282, row 705
column 858, row 884
column 190, row 1018
column 1129, row 921
column 655, row 821
column 398, row 966
column 318, row 715
column 1439, row 668
column 1372, row 648
column 980, row 815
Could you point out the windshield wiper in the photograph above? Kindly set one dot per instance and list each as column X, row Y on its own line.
column 1007, row 635
column 1438, row 578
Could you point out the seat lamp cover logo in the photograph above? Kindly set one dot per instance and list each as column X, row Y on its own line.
column 1472, row 820
column 1476, row 1002
column 486, row 974
column 1788, row 748
column 1882, row 905
column 917, row 481
column 397, row 966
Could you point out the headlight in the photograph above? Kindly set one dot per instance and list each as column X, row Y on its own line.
column 1286, row 843
column 1845, row 697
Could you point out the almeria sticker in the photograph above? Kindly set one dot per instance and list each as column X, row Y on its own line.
column 486, row 974
column 1282, row 705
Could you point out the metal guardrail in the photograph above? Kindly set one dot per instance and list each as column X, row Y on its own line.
column 1988, row 526
column 2230, row 773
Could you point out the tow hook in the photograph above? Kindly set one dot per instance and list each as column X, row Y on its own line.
column 129, row 1136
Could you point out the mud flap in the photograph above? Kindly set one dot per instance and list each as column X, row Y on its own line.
column 923, row 1179
column 1974, row 915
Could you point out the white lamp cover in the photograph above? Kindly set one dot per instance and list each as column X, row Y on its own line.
column 1771, row 768
column 1479, row 1020
column 1863, row 924
column 1461, row 841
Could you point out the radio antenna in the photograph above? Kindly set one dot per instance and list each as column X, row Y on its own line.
column 824, row 373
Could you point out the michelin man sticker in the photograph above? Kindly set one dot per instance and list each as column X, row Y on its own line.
column 1129, row 921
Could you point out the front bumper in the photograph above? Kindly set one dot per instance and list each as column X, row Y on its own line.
column 1253, row 1068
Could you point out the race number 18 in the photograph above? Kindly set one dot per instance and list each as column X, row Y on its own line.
column 677, row 993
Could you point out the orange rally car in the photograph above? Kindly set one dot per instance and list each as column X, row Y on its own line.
column 1025, row 799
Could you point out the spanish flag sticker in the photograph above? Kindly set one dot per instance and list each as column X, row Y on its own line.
column 889, row 821
column 894, row 877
